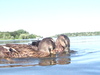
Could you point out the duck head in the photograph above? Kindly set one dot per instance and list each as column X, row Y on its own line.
column 62, row 43
column 46, row 47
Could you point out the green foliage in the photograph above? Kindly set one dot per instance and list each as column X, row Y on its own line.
column 32, row 36
column 24, row 36
column 19, row 34
column 81, row 34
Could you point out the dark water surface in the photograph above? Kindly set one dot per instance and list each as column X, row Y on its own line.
column 86, row 61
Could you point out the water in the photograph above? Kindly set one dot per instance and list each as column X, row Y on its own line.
column 85, row 61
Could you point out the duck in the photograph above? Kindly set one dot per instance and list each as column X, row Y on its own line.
column 47, row 45
column 17, row 51
column 62, row 44
column 44, row 49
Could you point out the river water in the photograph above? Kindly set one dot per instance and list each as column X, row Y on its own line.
column 85, row 61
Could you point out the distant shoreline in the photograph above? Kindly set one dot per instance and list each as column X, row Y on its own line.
column 19, row 34
column 81, row 34
column 27, row 35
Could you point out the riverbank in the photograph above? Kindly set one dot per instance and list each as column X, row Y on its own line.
column 31, row 36
column 97, row 33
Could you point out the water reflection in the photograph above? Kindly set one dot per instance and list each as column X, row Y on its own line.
column 23, row 62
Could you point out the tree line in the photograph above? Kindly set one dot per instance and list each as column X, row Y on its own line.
column 81, row 34
column 19, row 34
column 22, row 34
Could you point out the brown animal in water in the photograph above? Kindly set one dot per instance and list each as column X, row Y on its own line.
column 17, row 51
column 47, row 45
column 62, row 44
column 45, row 48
